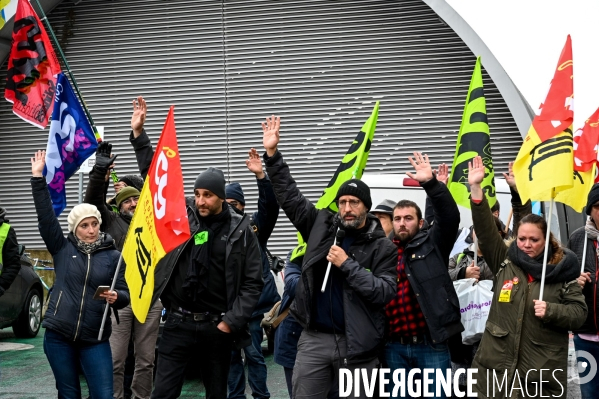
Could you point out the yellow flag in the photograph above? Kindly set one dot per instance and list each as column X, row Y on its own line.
column 576, row 197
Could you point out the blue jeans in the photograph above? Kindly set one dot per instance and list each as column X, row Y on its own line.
column 588, row 390
column 65, row 356
column 256, row 367
column 420, row 356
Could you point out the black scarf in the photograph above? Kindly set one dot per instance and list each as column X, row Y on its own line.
column 566, row 270
column 196, row 280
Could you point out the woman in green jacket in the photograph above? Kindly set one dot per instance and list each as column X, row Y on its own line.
column 524, row 349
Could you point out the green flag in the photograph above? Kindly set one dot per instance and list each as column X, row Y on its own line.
column 473, row 140
column 353, row 163
column 351, row 167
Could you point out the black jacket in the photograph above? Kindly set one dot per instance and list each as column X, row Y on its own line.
column 427, row 257
column 243, row 268
column 72, row 311
column 369, row 271
column 591, row 297
column 11, row 261
column 113, row 223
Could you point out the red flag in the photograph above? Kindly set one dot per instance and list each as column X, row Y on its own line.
column 556, row 114
column 160, row 221
column 586, row 143
column 32, row 68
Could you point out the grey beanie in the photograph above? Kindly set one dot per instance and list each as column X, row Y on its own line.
column 212, row 179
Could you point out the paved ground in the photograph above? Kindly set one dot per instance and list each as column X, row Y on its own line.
column 25, row 373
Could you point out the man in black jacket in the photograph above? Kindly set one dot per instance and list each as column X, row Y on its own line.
column 344, row 325
column 425, row 311
column 10, row 261
column 210, row 286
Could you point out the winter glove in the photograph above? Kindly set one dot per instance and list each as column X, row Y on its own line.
column 103, row 159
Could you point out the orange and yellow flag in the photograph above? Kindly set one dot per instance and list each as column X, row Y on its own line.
column 160, row 221
column 544, row 165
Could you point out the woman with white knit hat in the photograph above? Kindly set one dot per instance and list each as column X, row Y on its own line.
column 83, row 261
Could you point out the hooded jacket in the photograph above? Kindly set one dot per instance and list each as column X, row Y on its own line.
column 369, row 271
column 11, row 261
column 459, row 262
column 516, row 341
column 72, row 311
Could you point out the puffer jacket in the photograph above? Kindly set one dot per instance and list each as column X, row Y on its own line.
column 591, row 296
column 515, row 340
column 369, row 271
column 72, row 311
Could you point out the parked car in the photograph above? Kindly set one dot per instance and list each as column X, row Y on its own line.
column 21, row 304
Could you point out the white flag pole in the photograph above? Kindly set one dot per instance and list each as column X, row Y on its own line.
column 546, row 249
column 116, row 275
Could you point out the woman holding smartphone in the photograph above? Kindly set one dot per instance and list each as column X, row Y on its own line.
column 83, row 261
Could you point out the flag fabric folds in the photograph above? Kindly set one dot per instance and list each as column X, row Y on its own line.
column 586, row 144
column 351, row 167
column 473, row 140
column 32, row 68
column 353, row 163
column 160, row 221
column 70, row 142
column 544, row 165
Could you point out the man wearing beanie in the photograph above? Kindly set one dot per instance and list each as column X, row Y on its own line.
column 585, row 338
column 263, row 221
column 344, row 325
column 210, row 286
column 425, row 312
column 144, row 335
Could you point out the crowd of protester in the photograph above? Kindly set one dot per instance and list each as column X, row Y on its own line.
column 378, row 294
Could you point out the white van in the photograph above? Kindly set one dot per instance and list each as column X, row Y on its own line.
column 396, row 187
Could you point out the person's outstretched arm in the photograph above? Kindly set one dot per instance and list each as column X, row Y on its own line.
column 268, row 208
column 138, row 137
column 95, row 192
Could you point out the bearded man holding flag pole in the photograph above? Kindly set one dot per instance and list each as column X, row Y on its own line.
column 343, row 326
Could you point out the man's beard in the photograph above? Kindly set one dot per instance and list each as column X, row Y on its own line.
column 127, row 213
column 407, row 236
column 355, row 223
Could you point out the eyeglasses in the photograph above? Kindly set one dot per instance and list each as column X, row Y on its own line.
column 130, row 200
column 233, row 203
column 352, row 203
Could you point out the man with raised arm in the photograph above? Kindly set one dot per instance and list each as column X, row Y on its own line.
column 344, row 325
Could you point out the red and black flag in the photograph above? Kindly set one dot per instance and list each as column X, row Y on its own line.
column 32, row 68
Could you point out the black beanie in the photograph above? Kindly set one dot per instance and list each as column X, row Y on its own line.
column 234, row 191
column 592, row 198
column 357, row 188
column 212, row 179
column 133, row 181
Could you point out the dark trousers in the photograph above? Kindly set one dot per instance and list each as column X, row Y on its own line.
column 180, row 339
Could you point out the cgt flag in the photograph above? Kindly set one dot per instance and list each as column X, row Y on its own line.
column 473, row 140
column 351, row 167
column 70, row 142
column 160, row 221
column 544, row 163
column 32, row 68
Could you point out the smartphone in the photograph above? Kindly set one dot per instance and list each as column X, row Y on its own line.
column 100, row 290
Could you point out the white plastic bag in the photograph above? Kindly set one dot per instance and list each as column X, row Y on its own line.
column 475, row 303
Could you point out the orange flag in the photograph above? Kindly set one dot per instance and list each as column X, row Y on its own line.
column 160, row 221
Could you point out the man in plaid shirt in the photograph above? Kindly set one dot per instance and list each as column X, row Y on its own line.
column 425, row 312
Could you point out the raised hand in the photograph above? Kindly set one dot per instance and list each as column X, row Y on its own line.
column 509, row 177
column 271, row 138
column 104, row 158
column 254, row 164
column 424, row 172
column 442, row 173
column 476, row 174
column 37, row 163
column 139, row 116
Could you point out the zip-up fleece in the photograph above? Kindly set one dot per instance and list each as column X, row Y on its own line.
column 72, row 311
column 369, row 271
column 243, row 268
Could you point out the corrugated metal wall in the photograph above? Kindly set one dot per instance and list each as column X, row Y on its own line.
column 226, row 65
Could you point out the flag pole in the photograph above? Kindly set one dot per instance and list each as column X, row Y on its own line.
column 546, row 248
column 584, row 252
column 116, row 275
column 45, row 21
